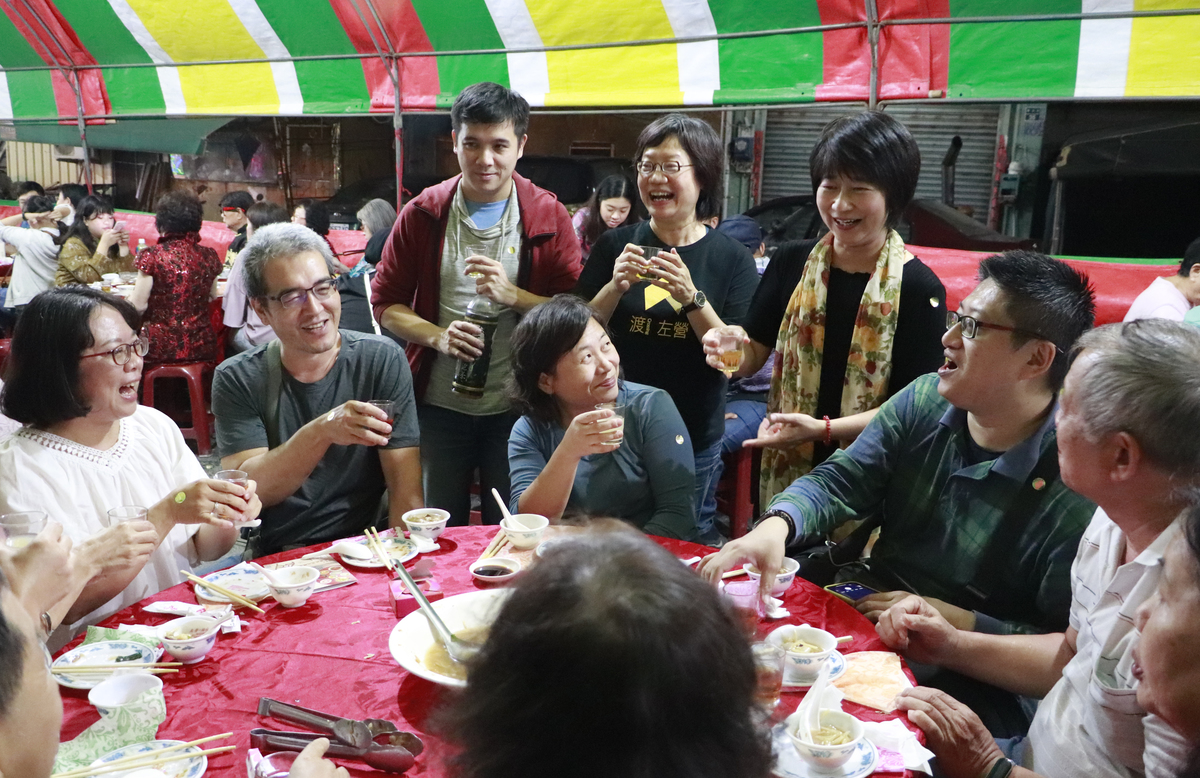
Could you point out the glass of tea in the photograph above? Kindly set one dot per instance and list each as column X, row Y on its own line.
column 618, row 409
column 730, row 346
column 18, row 530
column 744, row 598
column 768, row 668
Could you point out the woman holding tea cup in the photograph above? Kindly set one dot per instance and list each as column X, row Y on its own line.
column 571, row 452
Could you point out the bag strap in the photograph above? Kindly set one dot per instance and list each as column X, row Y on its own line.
column 274, row 387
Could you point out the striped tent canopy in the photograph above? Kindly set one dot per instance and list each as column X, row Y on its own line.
column 149, row 58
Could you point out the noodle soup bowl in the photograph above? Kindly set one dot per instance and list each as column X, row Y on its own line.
column 783, row 579
column 803, row 667
column 823, row 758
column 524, row 530
column 297, row 583
column 189, row 639
column 426, row 523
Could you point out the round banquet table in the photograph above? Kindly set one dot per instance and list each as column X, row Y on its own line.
column 332, row 655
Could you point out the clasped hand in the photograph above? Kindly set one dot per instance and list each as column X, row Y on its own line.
column 593, row 432
column 219, row 503
column 492, row 281
column 355, row 423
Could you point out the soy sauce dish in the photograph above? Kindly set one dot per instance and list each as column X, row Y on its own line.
column 495, row 570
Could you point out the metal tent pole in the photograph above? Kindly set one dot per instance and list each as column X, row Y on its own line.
column 873, row 40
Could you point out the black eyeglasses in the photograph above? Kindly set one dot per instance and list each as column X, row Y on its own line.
column 295, row 298
column 971, row 325
column 672, row 168
column 121, row 354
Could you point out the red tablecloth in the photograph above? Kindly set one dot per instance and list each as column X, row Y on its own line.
column 332, row 655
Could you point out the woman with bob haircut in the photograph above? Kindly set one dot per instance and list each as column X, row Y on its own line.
column 610, row 659
column 177, row 278
column 612, row 204
column 658, row 307
column 854, row 316
column 87, row 447
column 92, row 246
column 568, row 455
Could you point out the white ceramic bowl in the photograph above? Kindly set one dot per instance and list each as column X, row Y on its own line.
column 783, row 580
column 826, row 759
column 194, row 649
column 511, row 565
column 300, row 583
column 528, row 532
column 426, row 523
column 803, row 668
column 121, row 690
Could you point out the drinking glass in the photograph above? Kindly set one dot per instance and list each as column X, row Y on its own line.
column 768, row 668
column 387, row 406
column 649, row 252
column 18, row 530
column 126, row 513
column 730, row 346
column 618, row 409
column 743, row 596
column 239, row 477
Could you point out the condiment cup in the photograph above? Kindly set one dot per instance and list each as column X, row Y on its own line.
column 827, row 759
column 194, row 649
column 426, row 523
column 120, row 690
column 783, row 580
column 524, row 530
column 511, row 565
column 803, row 668
column 301, row 582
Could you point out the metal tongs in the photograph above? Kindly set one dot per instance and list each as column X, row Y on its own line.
column 368, row 734
column 459, row 650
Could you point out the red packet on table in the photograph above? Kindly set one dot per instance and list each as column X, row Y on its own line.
column 403, row 600
column 333, row 575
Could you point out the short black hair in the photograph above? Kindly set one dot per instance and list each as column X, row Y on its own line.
column 28, row 186
column 608, row 627
column 316, row 216
column 702, row 145
column 538, row 342
column 1043, row 297
column 39, row 204
column 178, row 211
column 1190, row 258
column 41, row 381
column 73, row 192
column 12, row 658
column 237, row 199
column 264, row 212
column 88, row 208
column 874, row 148
column 489, row 103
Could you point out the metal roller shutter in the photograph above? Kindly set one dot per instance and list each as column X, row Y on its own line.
column 791, row 134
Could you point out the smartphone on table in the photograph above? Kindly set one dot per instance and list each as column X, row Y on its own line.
column 850, row 591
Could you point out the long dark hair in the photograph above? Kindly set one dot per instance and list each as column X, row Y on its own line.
column 89, row 208
column 609, row 658
column 613, row 186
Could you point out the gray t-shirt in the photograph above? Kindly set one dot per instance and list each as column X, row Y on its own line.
column 342, row 494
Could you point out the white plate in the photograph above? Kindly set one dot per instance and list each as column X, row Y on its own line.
column 837, row 668
column 190, row 767
column 399, row 550
column 789, row 763
column 412, row 637
column 103, row 652
column 239, row 579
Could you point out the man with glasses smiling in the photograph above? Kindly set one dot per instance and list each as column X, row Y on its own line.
column 297, row 413
column 961, row 468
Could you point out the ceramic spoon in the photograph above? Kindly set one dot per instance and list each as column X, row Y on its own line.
column 344, row 548
column 459, row 650
column 270, row 575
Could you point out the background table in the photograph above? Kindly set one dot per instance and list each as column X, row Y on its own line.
column 332, row 655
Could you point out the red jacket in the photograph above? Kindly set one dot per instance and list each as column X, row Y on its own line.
column 410, row 269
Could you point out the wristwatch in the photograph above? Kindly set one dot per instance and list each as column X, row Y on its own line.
column 698, row 302
column 1002, row 768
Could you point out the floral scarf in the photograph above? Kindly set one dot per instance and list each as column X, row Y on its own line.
column 796, row 379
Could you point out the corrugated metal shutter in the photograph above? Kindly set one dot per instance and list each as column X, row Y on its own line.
column 36, row 162
column 791, row 134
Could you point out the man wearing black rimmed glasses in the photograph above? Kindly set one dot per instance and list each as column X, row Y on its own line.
column 296, row 413
column 961, row 469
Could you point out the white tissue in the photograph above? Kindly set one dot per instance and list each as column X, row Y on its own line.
column 773, row 608
column 894, row 736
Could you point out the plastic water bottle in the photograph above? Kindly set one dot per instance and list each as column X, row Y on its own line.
column 141, row 246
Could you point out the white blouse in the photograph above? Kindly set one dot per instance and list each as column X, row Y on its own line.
column 77, row 486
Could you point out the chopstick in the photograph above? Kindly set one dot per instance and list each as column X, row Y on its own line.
column 93, row 665
column 237, row 599
column 734, row 573
column 493, row 547
column 377, row 546
column 127, row 761
column 95, row 670
column 144, row 760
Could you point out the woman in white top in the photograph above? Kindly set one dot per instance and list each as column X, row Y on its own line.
column 87, row 447
column 36, row 260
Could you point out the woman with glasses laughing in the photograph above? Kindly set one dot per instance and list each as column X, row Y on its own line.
column 87, row 447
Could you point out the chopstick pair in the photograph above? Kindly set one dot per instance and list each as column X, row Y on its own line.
column 495, row 545
column 108, row 667
column 138, row 761
column 236, row 599
column 377, row 546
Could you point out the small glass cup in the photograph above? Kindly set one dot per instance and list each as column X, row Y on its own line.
column 743, row 597
column 18, row 530
column 730, row 346
column 649, row 252
column 126, row 513
column 618, row 409
column 239, row 477
column 768, row 667
column 387, row 406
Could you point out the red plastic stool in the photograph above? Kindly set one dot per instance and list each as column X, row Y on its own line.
column 194, row 373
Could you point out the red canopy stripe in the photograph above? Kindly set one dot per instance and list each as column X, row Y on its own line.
column 49, row 34
column 403, row 29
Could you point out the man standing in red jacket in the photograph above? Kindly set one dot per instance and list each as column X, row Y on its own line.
column 485, row 232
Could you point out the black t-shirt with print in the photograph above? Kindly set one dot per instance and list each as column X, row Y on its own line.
column 655, row 340
column 921, row 321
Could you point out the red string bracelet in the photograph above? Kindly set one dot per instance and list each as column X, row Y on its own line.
column 828, row 432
